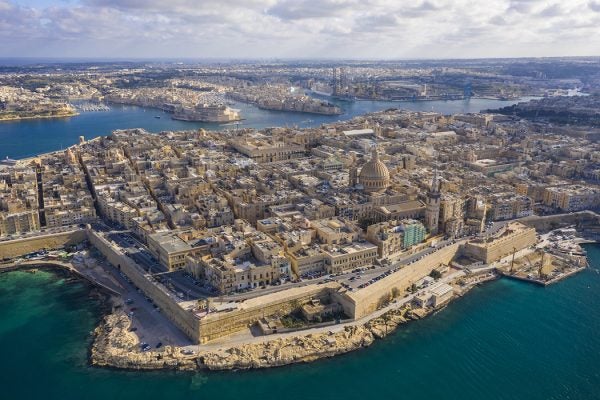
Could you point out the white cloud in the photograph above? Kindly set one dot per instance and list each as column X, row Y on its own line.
column 301, row 28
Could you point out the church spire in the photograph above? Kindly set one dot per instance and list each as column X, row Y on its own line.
column 374, row 154
column 435, row 185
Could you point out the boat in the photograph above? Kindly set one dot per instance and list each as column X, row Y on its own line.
column 157, row 116
column 8, row 161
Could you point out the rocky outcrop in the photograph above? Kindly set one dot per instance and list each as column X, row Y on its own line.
column 285, row 351
column 307, row 348
column 115, row 346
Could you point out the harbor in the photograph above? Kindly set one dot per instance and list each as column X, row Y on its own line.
column 91, row 107
column 557, row 256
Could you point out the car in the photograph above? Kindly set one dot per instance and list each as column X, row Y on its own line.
column 159, row 345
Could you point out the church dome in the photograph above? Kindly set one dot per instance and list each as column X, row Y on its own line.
column 374, row 175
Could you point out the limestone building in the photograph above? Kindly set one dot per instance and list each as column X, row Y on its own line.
column 395, row 236
column 514, row 237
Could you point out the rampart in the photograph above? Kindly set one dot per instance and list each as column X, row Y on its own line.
column 581, row 219
column 365, row 301
column 213, row 326
column 18, row 247
column 183, row 319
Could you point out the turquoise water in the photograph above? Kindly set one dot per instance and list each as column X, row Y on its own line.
column 19, row 139
column 505, row 340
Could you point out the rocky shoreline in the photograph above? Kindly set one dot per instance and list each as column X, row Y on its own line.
column 17, row 118
column 114, row 346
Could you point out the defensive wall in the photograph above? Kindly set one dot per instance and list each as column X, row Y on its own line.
column 19, row 247
column 62, row 265
column 581, row 219
column 367, row 300
column 218, row 324
column 183, row 319
column 213, row 326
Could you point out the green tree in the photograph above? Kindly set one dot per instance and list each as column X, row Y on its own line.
column 435, row 274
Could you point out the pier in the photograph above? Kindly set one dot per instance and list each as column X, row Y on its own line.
column 540, row 281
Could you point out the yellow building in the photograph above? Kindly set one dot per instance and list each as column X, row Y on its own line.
column 265, row 149
column 20, row 222
column 335, row 230
column 347, row 257
column 513, row 237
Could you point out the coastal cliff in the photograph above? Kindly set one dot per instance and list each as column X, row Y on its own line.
column 284, row 351
column 115, row 346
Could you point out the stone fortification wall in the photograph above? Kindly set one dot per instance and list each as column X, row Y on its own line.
column 546, row 223
column 183, row 319
column 369, row 299
column 501, row 246
column 19, row 247
column 221, row 324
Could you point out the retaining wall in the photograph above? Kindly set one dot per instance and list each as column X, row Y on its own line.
column 367, row 300
column 183, row 319
column 18, row 247
column 220, row 324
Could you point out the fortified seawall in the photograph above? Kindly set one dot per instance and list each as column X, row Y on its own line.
column 19, row 247
column 65, row 267
column 183, row 319
column 216, row 325
column 368, row 300
column 583, row 220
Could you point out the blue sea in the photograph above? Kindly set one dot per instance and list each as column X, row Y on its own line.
column 504, row 340
column 20, row 139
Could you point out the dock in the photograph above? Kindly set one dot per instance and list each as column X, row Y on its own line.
column 539, row 281
column 92, row 107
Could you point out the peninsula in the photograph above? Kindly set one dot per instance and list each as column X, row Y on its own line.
column 247, row 249
column 19, row 104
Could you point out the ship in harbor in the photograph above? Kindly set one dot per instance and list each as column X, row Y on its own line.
column 203, row 112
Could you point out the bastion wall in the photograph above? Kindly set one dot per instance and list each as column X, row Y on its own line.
column 183, row 319
column 18, row 247
column 369, row 299
column 220, row 324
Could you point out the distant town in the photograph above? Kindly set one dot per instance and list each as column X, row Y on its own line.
column 215, row 245
column 203, row 92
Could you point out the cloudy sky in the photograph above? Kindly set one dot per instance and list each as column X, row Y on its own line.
column 374, row 29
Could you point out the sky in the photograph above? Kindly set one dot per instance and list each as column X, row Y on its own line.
column 297, row 29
